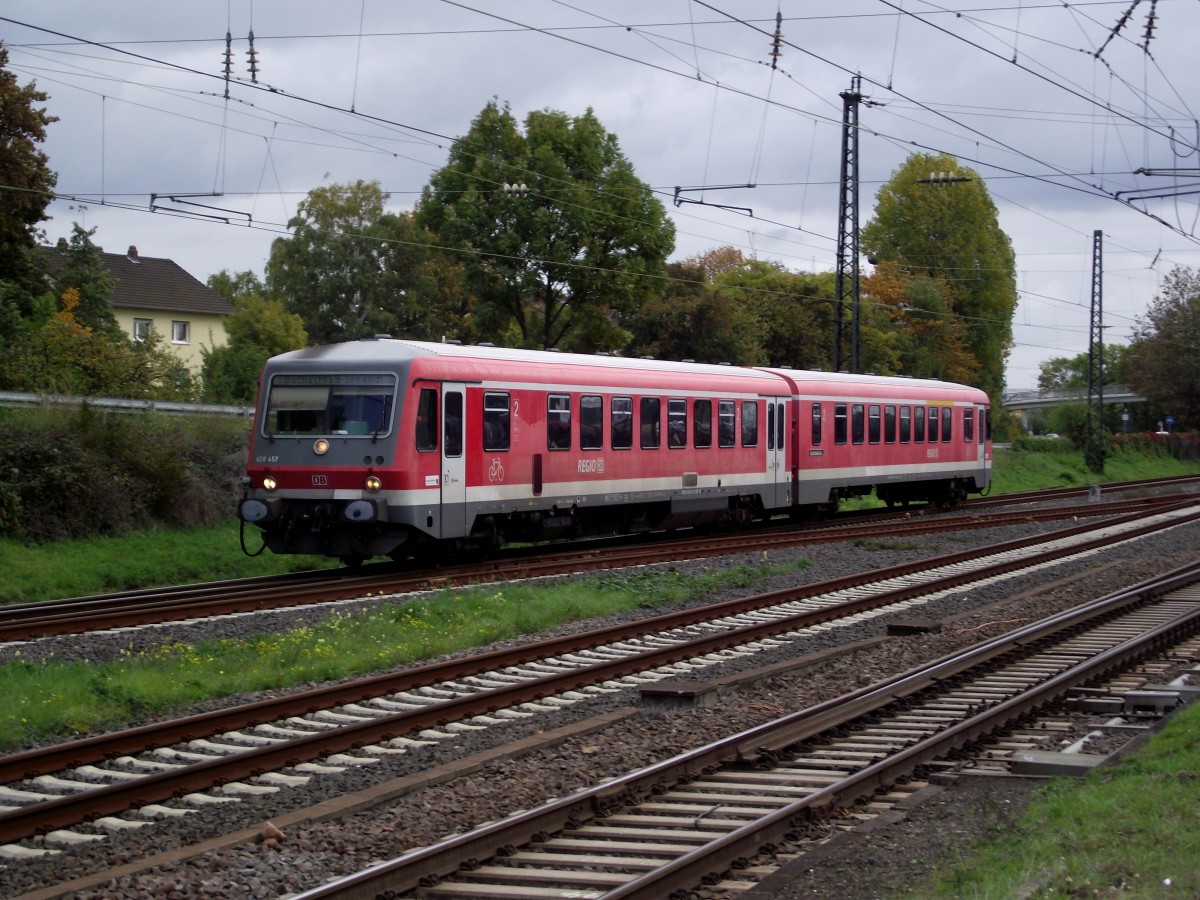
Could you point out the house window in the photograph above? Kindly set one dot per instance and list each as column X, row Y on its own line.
column 180, row 332
column 141, row 329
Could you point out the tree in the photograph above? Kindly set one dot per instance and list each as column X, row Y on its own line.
column 26, row 182
column 351, row 269
column 578, row 244
column 257, row 329
column 950, row 232
column 81, row 269
column 1163, row 362
column 1064, row 373
column 915, row 332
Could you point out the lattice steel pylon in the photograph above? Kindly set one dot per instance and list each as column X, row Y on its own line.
column 847, row 283
column 1096, row 438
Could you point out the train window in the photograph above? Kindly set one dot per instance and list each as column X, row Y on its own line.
column 427, row 420
column 858, row 420
column 702, row 423
column 496, row 422
column 905, row 424
column 968, row 426
column 839, row 423
column 651, row 418
column 889, row 424
column 558, row 421
column 622, row 423
column 933, row 424
column 780, row 419
column 726, row 423
column 452, row 441
column 918, row 424
column 750, row 424
column 986, row 412
column 676, row 422
column 873, row 423
column 947, row 423
column 816, row 424
column 330, row 404
column 591, row 422
column 770, row 426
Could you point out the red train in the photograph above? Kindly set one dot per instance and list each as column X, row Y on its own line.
column 392, row 447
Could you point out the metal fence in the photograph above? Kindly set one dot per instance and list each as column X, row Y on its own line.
column 117, row 404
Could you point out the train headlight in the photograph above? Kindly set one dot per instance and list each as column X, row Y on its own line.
column 269, row 483
column 320, row 446
column 373, row 483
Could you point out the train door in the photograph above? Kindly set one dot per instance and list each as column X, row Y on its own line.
column 454, row 466
column 777, row 470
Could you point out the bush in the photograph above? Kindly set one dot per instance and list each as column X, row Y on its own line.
column 80, row 472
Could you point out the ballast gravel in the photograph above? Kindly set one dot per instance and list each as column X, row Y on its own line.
column 309, row 854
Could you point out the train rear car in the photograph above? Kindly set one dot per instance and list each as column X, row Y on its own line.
column 907, row 439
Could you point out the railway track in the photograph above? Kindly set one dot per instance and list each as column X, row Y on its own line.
column 128, row 778
column 702, row 817
column 131, row 609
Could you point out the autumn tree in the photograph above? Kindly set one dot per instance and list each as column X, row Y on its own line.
column 79, row 267
column 351, row 269
column 1163, row 363
column 26, row 188
column 559, row 237
column 926, row 338
column 948, row 231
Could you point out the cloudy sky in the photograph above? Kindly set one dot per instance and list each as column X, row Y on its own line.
column 1058, row 109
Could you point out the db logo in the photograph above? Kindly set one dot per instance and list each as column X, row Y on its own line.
column 320, row 481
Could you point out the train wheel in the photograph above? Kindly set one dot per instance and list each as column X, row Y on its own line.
column 353, row 561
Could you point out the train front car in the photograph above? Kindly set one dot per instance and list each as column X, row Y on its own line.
column 323, row 453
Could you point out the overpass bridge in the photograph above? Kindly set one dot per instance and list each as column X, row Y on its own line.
column 1024, row 401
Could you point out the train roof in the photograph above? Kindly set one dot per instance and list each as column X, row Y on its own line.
column 384, row 350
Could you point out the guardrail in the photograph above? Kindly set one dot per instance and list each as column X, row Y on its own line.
column 117, row 404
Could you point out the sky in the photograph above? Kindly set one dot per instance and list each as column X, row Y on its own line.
column 1076, row 121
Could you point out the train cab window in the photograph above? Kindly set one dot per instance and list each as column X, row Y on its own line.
column 496, row 423
column 918, row 424
column 726, row 423
column 933, row 424
column 874, row 423
column 338, row 404
column 816, row 424
column 427, row 420
column 558, row 422
column 840, row 420
column 905, row 424
column 651, row 419
column 452, row 440
column 621, row 424
column 676, row 422
column 968, row 426
column 750, row 424
column 889, row 424
column 701, row 423
column 857, row 423
column 591, row 422
column 985, row 424
column 947, row 424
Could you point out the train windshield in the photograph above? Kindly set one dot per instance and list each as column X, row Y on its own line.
column 329, row 405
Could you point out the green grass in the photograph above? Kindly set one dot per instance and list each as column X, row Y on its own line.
column 1124, row 830
column 154, row 558
column 1015, row 470
column 47, row 699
